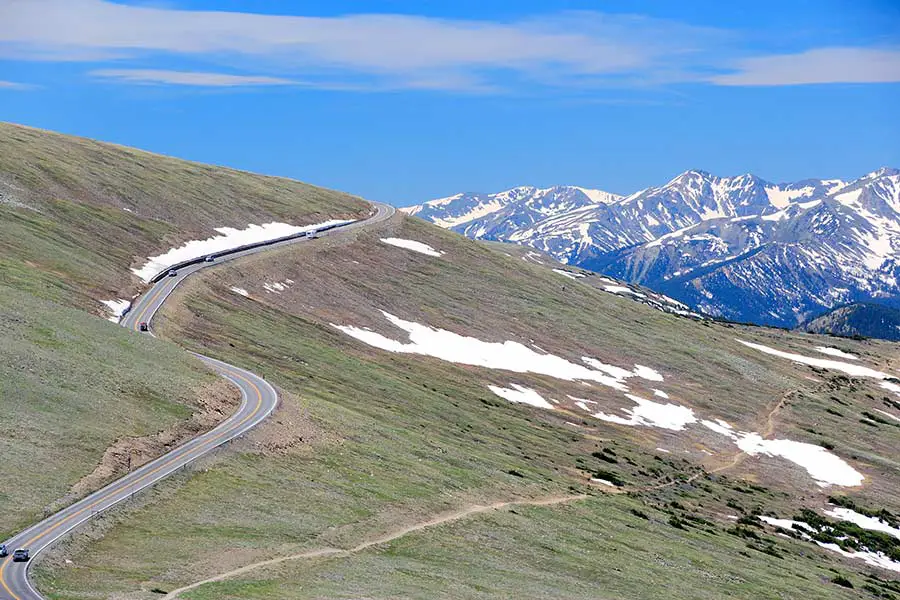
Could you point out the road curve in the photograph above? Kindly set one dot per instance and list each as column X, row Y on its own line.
column 258, row 401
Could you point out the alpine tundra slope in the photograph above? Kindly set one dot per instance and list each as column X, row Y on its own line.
column 259, row 399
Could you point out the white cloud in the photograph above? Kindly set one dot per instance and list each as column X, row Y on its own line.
column 387, row 50
column 820, row 65
column 582, row 49
column 13, row 85
column 188, row 78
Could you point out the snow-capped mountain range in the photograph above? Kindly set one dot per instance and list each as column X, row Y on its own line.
column 736, row 247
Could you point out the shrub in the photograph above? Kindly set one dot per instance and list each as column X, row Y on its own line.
column 842, row 581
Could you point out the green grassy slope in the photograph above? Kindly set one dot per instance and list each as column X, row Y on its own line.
column 70, row 386
column 368, row 442
column 76, row 215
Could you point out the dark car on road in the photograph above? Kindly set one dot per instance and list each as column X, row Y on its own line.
column 21, row 555
column 3, row 550
column 144, row 326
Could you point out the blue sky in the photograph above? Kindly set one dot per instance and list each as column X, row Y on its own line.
column 405, row 101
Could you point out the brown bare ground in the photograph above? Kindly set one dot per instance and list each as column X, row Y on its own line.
column 215, row 402
column 290, row 430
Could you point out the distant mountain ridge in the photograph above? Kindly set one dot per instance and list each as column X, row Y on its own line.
column 736, row 247
column 865, row 320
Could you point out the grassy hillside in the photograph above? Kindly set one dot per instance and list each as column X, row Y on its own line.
column 80, row 399
column 368, row 444
column 71, row 385
column 76, row 215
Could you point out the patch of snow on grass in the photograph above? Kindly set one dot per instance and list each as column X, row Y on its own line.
column 569, row 274
column 887, row 414
column 412, row 245
column 521, row 395
column 660, row 394
column 721, row 427
column 229, row 239
column 785, row 523
column 621, row 289
column 240, row 291
column 118, row 308
column 849, row 369
column 653, row 414
column 824, row 467
column 508, row 356
column 866, row 522
column 876, row 559
column 893, row 387
column 277, row 287
column 647, row 373
column 664, row 450
column 603, row 481
column 835, row 352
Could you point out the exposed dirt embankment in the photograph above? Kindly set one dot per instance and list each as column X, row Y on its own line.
column 215, row 401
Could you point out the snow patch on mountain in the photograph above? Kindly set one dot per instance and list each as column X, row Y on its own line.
column 413, row 245
column 229, row 238
column 521, row 395
column 118, row 308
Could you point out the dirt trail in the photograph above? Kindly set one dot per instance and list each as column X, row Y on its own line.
column 766, row 434
column 398, row 533
column 735, row 460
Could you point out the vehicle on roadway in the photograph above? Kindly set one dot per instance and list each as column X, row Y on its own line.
column 3, row 550
column 311, row 234
column 21, row 555
column 209, row 258
column 172, row 272
column 144, row 326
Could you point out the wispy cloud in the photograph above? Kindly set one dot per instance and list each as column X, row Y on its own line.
column 573, row 50
column 818, row 66
column 191, row 78
column 389, row 50
column 14, row 85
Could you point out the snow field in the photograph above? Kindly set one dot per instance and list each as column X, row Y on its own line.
column 653, row 414
column 569, row 274
column 507, row 356
column 118, row 308
column 835, row 352
column 824, row 467
column 412, row 245
column 228, row 239
column 866, row 522
column 876, row 559
column 278, row 286
column 521, row 395
column 849, row 369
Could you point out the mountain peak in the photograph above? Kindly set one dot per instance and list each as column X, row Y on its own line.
column 882, row 172
column 692, row 174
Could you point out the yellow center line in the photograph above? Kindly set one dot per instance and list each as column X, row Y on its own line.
column 37, row 538
column 147, row 306
column 3, row 581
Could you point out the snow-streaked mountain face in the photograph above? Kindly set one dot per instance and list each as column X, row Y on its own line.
column 494, row 216
column 737, row 247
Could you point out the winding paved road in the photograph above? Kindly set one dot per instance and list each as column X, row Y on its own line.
column 258, row 401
